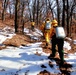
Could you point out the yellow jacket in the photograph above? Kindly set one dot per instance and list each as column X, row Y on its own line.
column 32, row 23
column 47, row 33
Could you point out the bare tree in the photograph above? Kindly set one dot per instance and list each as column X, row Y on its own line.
column 22, row 16
column 5, row 3
column 52, row 6
column 63, row 14
column 67, row 11
column 17, row 3
column 58, row 11
column 28, row 2
column 69, row 8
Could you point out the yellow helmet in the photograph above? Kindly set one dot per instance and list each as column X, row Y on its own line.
column 54, row 23
column 33, row 23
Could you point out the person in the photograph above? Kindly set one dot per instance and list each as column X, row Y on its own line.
column 46, row 32
column 32, row 26
column 56, row 41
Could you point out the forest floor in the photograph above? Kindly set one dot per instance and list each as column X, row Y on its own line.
column 23, row 40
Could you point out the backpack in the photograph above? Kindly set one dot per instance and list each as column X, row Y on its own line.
column 60, row 33
column 47, row 25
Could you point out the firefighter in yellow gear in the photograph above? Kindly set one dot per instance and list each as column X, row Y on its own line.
column 56, row 41
column 32, row 26
column 46, row 32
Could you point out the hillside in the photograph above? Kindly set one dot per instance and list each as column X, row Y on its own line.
column 23, row 40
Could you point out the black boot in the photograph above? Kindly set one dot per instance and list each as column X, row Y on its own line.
column 51, row 56
column 46, row 44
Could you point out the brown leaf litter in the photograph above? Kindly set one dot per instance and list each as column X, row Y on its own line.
column 17, row 40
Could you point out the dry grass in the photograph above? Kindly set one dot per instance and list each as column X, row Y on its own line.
column 17, row 40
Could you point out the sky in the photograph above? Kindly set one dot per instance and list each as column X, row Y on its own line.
column 23, row 60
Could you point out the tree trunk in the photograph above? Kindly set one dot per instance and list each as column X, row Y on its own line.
column 37, row 12
column 4, row 9
column 58, row 12
column 29, row 10
column 68, row 25
column 34, row 10
column 63, row 14
column 22, row 17
column 16, row 16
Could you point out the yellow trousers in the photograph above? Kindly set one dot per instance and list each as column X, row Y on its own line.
column 47, row 36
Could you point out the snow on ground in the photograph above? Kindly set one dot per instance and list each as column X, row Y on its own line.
column 24, row 61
